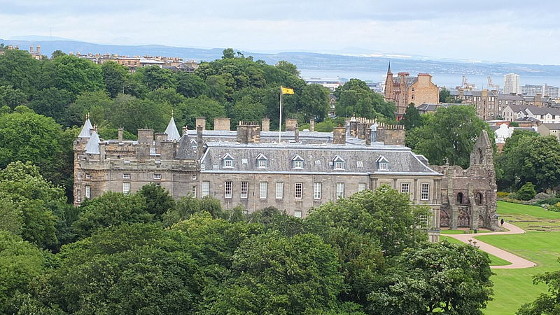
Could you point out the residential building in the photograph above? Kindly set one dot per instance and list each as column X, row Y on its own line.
column 484, row 101
column 404, row 89
column 511, row 84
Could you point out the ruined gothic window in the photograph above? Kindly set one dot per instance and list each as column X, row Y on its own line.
column 479, row 198
column 460, row 198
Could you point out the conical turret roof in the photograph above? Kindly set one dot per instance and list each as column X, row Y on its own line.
column 92, row 146
column 171, row 131
column 86, row 130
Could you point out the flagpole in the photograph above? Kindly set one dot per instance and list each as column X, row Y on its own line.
column 280, row 120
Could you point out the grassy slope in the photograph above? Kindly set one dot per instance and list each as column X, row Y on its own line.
column 541, row 244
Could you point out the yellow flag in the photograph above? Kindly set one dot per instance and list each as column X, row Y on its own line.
column 287, row 90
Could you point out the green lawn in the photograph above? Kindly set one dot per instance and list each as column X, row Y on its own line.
column 514, row 287
column 494, row 261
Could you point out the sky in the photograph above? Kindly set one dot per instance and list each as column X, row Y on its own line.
column 475, row 30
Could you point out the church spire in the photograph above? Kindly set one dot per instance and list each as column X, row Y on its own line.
column 389, row 68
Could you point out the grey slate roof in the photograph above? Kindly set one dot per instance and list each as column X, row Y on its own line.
column 318, row 158
column 171, row 131
column 186, row 149
column 92, row 146
column 86, row 130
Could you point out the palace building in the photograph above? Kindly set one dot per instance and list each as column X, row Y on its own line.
column 292, row 170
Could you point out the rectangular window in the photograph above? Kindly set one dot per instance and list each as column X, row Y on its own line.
column 157, row 176
column 317, row 187
column 405, row 188
column 362, row 186
column 125, row 188
column 383, row 166
column 298, row 192
column 205, row 191
column 126, row 176
column 88, row 176
column 262, row 163
column 279, row 190
column 298, row 164
column 244, row 190
column 360, row 163
column 339, row 165
column 339, row 190
column 425, row 191
column 88, row 191
column 263, row 190
column 228, row 163
column 228, row 186
column 193, row 190
column 297, row 213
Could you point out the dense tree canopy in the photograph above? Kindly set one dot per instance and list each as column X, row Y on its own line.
column 355, row 98
column 448, row 135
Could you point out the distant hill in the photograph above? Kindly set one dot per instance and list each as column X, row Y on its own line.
column 303, row 60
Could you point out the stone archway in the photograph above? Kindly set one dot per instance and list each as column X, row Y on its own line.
column 444, row 219
column 464, row 219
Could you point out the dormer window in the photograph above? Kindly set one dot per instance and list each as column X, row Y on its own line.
column 297, row 162
column 382, row 164
column 227, row 161
column 262, row 161
column 338, row 163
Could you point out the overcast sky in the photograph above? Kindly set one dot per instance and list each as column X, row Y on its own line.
column 489, row 30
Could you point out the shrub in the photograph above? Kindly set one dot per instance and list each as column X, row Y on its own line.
column 502, row 194
column 526, row 192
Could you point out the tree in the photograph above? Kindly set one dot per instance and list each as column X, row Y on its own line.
column 532, row 159
column 26, row 136
column 19, row 70
column 157, row 199
column 73, row 74
column 97, row 104
column 228, row 53
column 435, row 278
column 20, row 263
column 190, row 85
column 128, row 269
column 411, row 118
column 545, row 303
column 52, row 102
column 288, row 67
column 355, row 98
column 154, row 77
column 526, row 192
column 114, row 77
column 448, row 136
column 365, row 230
column 273, row 274
column 202, row 106
column 110, row 209
column 132, row 114
column 314, row 102
column 35, row 202
column 12, row 97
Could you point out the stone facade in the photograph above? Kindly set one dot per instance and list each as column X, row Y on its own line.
column 404, row 90
column 249, row 167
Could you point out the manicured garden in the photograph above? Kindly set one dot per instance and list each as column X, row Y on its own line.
column 541, row 244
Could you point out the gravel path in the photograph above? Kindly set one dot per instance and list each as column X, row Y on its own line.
column 516, row 261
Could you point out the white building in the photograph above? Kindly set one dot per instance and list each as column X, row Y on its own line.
column 511, row 84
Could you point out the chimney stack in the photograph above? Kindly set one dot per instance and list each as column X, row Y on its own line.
column 201, row 121
column 120, row 133
column 312, row 125
column 339, row 135
column 265, row 124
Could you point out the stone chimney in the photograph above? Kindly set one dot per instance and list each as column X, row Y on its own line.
column 201, row 121
column 120, row 133
column 145, row 136
column 248, row 132
column 391, row 134
column 296, row 135
column 368, row 136
column 291, row 124
column 222, row 123
column 265, row 124
column 339, row 135
column 199, row 142
column 185, row 130
column 312, row 125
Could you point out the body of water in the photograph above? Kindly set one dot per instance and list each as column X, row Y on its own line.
column 440, row 79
